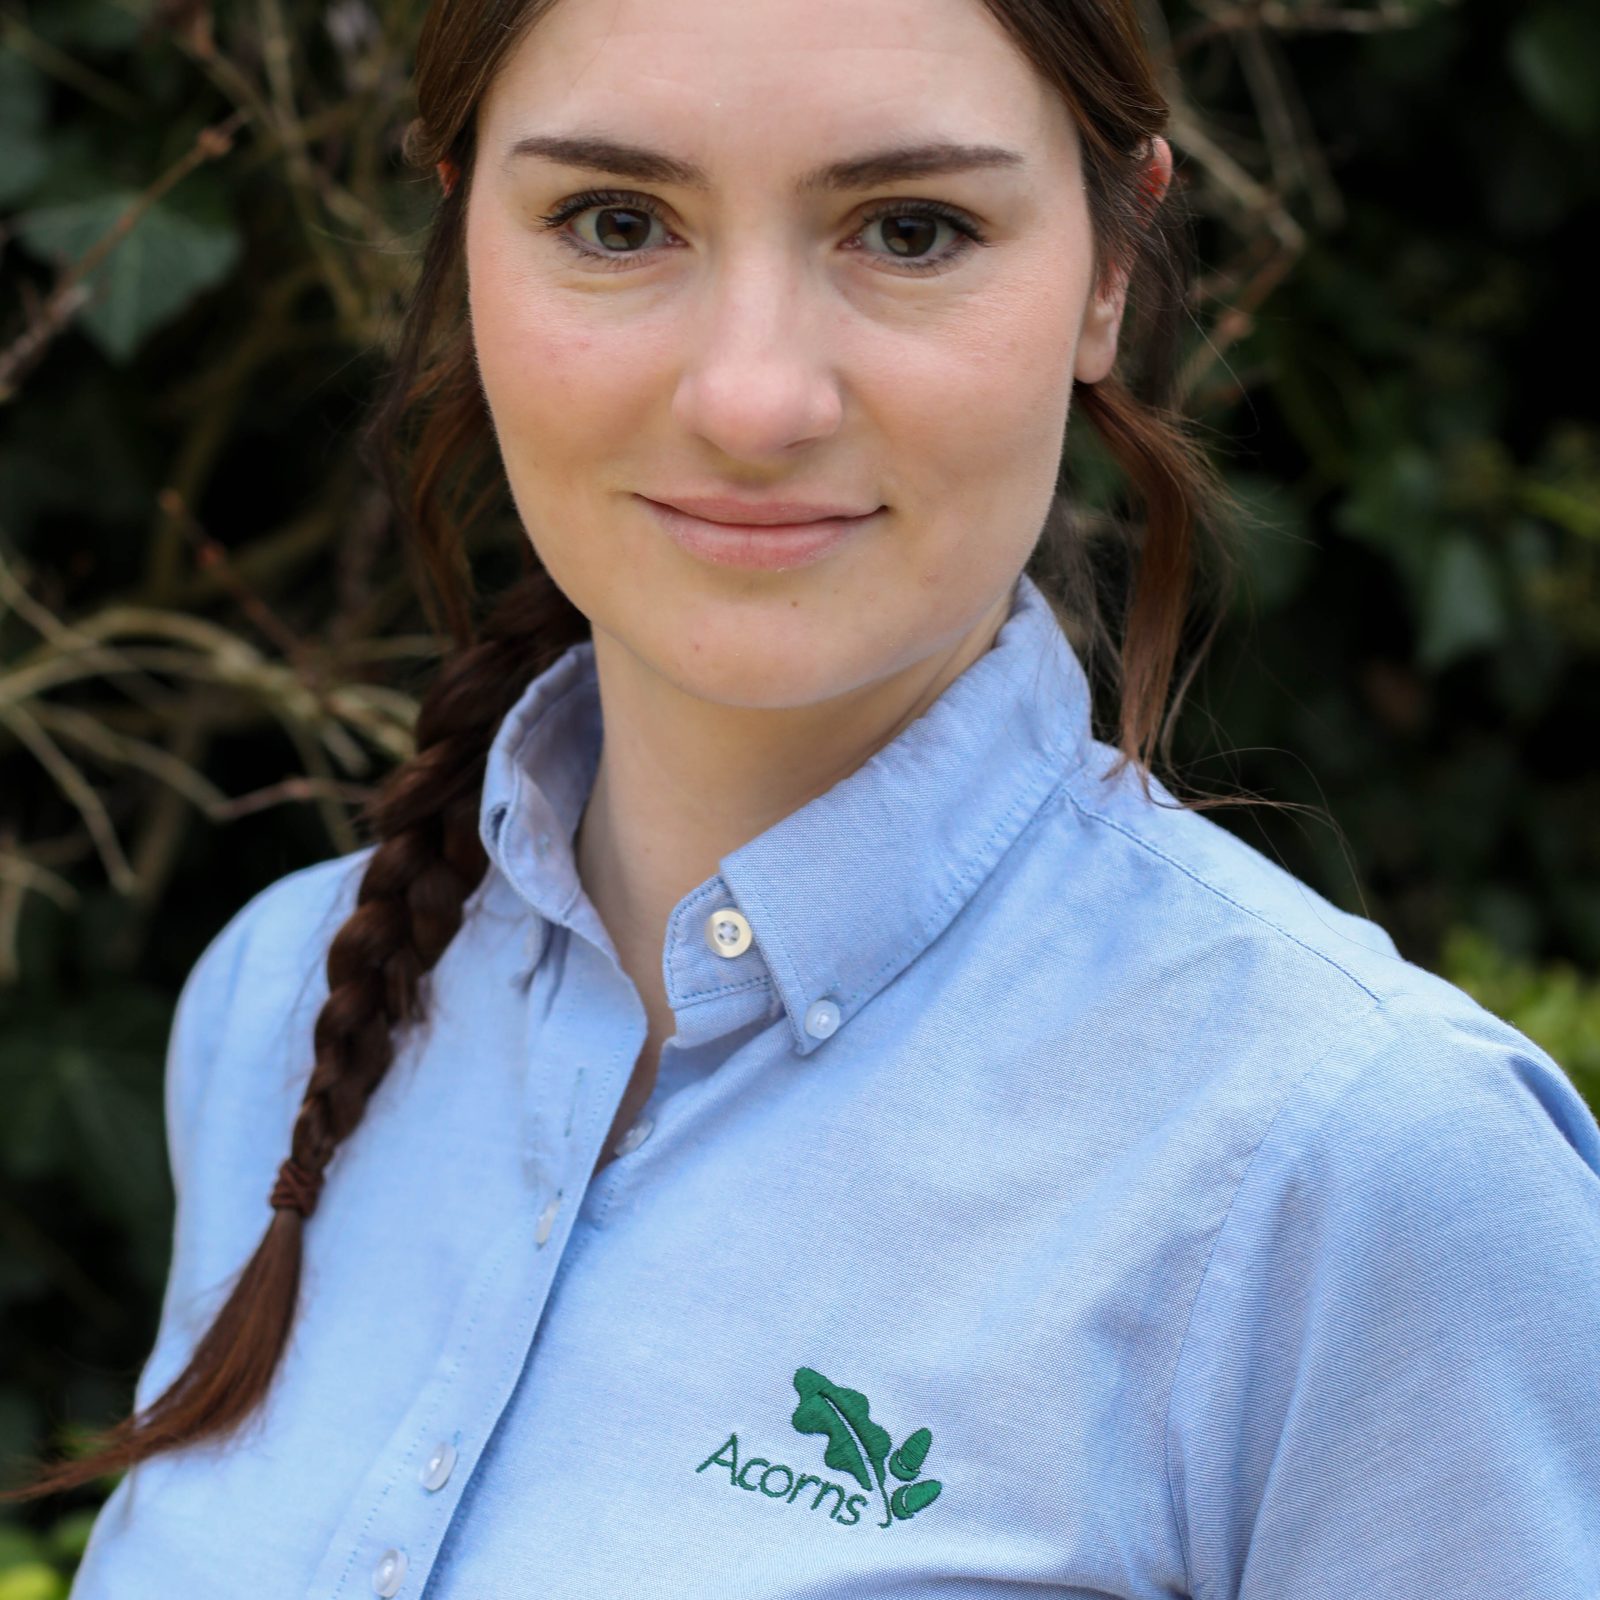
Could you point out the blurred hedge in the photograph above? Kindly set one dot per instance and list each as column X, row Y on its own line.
column 208, row 650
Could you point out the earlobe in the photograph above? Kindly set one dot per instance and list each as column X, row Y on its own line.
column 1097, row 338
column 448, row 173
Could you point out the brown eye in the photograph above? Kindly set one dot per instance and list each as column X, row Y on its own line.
column 622, row 223
column 909, row 234
column 909, row 229
column 621, row 228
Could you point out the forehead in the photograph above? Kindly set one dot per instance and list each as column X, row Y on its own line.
column 809, row 78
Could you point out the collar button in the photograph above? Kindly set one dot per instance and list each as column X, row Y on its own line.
column 822, row 1017
column 727, row 932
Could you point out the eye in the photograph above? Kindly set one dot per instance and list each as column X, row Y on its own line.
column 623, row 223
column 623, row 220
column 916, row 223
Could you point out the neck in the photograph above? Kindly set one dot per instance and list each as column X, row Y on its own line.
column 683, row 781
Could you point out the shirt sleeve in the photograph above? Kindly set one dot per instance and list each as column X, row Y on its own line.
column 198, row 1020
column 234, row 1004
column 1390, row 1383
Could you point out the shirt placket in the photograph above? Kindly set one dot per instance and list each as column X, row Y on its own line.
column 581, row 1043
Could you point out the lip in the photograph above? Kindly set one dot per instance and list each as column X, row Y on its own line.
column 760, row 513
column 767, row 546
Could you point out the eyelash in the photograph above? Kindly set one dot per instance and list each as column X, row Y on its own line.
column 611, row 261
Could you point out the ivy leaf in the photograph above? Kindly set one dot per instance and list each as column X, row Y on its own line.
column 1555, row 52
column 854, row 1439
column 1281, row 546
column 1463, row 608
column 173, row 252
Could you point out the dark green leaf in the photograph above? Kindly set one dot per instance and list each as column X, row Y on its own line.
column 174, row 251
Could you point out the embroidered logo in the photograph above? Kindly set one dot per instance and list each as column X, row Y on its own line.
column 856, row 1445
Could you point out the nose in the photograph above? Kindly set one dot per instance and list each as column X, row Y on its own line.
column 758, row 378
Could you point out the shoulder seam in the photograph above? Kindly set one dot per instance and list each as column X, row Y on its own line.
column 1220, row 893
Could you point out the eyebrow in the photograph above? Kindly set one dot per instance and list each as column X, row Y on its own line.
column 936, row 158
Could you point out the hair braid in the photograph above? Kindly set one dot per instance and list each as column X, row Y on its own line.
column 409, row 906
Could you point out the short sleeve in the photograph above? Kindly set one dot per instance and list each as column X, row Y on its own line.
column 204, row 1003
column 1390, row 1382
column 240, row 992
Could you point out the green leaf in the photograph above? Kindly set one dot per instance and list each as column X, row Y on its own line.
column 907, row 1461
column 1393, row 500
column 18, row 1544
column 1554, row 1004
column 908, row 1500
column 1280, row 545
column 854, row 1439
column 32, row 1580
column 1555, row 57
column 68, row 1536
column 1464, row 609
column 175, row 250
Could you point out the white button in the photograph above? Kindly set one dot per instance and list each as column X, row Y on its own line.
column 547, row 1219
column 822, row 1017
column 438, row 1467
column 389, row 1572
column 634, row 1137
column 727, row 932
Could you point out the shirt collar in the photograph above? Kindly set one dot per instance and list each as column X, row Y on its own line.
column 842, row 894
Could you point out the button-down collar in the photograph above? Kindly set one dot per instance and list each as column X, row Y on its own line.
column 846, row 891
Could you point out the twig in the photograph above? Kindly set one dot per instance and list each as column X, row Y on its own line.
column 1236, row 320
column 180, row 776
column 1252, row 198
column 17, row 35
column 213, row 557
column 78, row 790
column 291, row 789
column 15, row 868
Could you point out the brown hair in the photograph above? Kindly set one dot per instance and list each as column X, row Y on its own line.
column 431, row 438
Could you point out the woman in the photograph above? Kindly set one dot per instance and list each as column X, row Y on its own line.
column 786, row 1110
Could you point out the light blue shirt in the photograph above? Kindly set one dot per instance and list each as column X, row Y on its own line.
column 1050, row 1196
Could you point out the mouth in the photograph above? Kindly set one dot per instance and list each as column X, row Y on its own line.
column 766, row 545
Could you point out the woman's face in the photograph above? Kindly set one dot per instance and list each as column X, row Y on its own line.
column 733, row 332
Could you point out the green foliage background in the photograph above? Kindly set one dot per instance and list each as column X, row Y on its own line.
column 208, row 649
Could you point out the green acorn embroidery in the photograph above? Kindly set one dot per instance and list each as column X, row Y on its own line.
column 856, row 1442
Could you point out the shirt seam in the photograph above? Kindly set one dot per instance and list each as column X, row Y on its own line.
column 1377, row 1010
column 1222, row 894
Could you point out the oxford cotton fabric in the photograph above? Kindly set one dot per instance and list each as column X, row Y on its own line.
column 1189, row 1239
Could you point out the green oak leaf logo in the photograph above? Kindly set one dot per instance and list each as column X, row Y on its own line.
column 857, row 1445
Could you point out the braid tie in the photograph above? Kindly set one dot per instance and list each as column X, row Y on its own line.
column 296, row 1189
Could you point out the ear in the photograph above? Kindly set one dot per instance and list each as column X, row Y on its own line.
column 1102, row 318
column 448, row 173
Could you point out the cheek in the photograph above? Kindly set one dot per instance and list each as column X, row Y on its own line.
column 982, row 402
column 548, row 372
